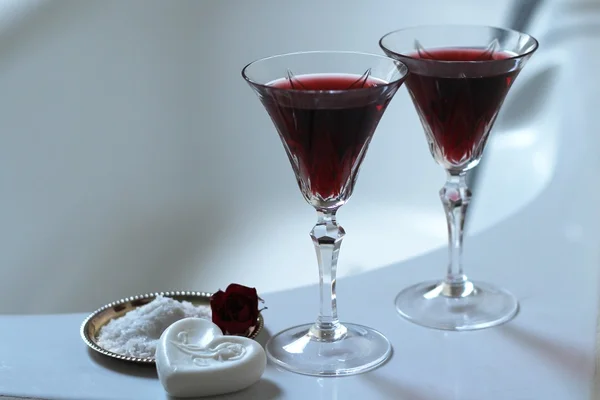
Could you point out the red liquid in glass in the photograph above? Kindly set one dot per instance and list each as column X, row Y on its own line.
column 459, row 104
column 326, row 135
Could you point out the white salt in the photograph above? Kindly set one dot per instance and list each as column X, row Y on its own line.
column 136, row 333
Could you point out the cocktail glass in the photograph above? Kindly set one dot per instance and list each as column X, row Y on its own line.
column 326, row 107
column 459, row 77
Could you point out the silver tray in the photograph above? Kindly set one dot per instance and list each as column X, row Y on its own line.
column 90, row 328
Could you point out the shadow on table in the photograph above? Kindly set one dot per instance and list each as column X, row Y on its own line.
column 394, row 388
column 568, row 358
column 122, row 367
column 263, row 337
column 263, row 390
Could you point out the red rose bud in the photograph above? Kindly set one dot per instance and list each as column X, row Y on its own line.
column 235, row 310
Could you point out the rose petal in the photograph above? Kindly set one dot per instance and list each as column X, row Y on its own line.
column 243, row 290
column 218, row 299
column 236, row 309
column 244, row 314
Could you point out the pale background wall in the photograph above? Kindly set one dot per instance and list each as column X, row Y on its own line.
column 133, row 157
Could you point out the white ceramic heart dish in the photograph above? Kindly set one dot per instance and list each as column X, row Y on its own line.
column 195, row 359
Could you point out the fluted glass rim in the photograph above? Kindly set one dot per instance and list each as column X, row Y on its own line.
column 532, row 49
column 403, row 72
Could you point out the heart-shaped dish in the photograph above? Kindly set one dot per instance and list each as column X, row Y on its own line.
column 195, row 359
column 90, row 328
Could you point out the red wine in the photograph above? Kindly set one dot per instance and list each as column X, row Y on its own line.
column 459, row 101
column 326, row 123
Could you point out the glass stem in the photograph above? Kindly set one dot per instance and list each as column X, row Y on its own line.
column 455, row 197
column 327, row 237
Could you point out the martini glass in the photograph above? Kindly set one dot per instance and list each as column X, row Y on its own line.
column 325, row 107
column 459, row 77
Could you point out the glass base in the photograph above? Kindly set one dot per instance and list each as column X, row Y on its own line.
column 439, row 306
column 360, row 350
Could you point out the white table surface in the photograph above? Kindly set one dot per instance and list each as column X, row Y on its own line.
column 546, row 352
column 547, row 254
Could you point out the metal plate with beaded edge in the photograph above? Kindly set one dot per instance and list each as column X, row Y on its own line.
column 90, row 328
